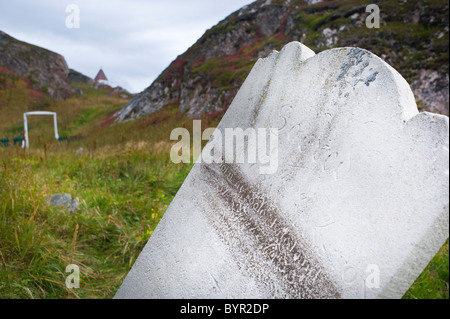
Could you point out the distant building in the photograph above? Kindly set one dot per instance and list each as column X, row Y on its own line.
column 101, row 78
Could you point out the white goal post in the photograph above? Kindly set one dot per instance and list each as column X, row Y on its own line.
column 25, row 124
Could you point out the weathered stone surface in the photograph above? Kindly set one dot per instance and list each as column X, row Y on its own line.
column 357, row 207
column 64, row 200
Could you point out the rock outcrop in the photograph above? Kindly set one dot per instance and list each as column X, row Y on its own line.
column 46, row 70
column 413, row 38
column 77, row 77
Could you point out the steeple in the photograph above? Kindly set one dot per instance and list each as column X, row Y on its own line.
column 101, row 77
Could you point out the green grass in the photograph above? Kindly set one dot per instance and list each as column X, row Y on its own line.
column 433, row 282
column 123, row 194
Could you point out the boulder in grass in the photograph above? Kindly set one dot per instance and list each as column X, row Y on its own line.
column 66, row 201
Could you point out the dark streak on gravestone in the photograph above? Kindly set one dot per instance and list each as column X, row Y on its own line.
column 262, row 242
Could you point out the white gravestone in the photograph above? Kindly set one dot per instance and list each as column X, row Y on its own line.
column 357, row 208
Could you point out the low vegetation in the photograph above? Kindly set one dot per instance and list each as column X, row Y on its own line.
column 122, row 176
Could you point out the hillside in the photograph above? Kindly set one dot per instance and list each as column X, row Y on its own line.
column 46, row 71
column 204, row 80
column 35, row 79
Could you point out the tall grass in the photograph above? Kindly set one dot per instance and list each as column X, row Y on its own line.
column 123, row 190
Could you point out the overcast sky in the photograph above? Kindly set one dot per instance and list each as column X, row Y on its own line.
column 132, row 40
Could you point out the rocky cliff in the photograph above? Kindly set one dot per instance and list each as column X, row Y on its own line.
column 413, row 38
column 46, row 70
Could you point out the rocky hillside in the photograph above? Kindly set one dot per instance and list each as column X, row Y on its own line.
column 77, row 77
column 47, row 71
column 204, row 80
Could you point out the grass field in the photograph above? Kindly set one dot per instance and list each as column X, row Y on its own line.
column 124, row 180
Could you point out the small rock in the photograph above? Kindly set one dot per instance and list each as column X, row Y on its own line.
column 64, row 200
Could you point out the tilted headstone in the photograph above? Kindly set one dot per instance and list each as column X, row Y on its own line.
column 356, row 207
